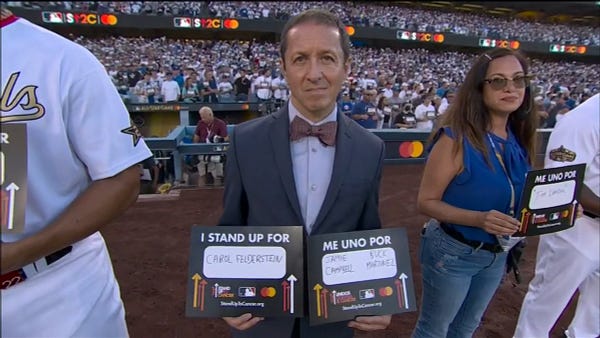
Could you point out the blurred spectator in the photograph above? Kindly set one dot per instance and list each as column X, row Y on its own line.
column 405, row 117
column 209, row 87
column 558, row 108
column 262, row 85
column 364, row 112
column 170, row 89
column 280, row 90
column 190, row 92
column 242, row 85
column 383, row 111
column 425, row 114
column 210, row 130
column 345, row 104
column 225, row 88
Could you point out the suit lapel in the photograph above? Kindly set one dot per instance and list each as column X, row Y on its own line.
column 343, row 154
column 280, row 141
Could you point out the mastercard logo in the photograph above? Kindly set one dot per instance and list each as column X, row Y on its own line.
column 268, row 292
column 410, row 149
column 231, row 24
column 386, row 291
column 108, row 19
column 350, row 30
column 439, row 38
column 581, row 49
column 515, row 44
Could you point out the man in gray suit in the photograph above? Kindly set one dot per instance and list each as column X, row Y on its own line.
column 306, row 164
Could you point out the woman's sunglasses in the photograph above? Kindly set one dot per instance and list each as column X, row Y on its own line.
column 499, row 83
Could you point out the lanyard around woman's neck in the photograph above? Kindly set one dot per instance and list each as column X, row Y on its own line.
column 512, row 187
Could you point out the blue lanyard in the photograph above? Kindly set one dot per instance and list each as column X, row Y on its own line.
column 512, row 188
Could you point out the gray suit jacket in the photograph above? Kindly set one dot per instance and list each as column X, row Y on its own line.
column 260, row 191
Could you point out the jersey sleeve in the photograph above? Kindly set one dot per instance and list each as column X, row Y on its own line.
column 100, row 129
column 571, row 144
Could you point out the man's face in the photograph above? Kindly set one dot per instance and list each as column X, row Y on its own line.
column 369, row 95
column 314, row 68
column 206, row 117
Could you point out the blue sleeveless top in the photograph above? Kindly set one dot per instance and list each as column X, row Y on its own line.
column 481, row 188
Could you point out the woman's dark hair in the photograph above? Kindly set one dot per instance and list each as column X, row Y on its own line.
column 469, row 118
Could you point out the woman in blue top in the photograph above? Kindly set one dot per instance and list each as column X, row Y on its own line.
column 471, row 186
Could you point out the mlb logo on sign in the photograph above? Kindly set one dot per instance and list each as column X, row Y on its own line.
column 183, row 22
column 56, row 17
column 247, row 291
column 52, row 17
column 366, row 294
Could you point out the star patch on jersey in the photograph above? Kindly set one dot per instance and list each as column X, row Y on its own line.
column 134, row 132
column 562, row 154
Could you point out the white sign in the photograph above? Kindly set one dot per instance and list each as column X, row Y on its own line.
column 244, row 262
column 552, row 195
column 357, row 266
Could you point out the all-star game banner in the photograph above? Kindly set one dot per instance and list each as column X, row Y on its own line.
column 359, row 273
column 550, row 199
column 238, row 269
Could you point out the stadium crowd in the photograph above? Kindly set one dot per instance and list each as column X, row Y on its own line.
column 404, row 81
column 179, row 70
column 354, row 13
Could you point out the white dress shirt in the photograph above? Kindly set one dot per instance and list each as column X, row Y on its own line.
column 312, row 163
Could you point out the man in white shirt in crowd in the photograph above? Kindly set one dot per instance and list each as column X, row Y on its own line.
column 262, row 85
column 425, row 114
column 170, row 89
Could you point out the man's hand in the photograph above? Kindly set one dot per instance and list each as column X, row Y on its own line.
column 242, row 322
column 371, row 323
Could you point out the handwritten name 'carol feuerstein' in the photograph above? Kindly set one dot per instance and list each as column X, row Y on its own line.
column 243, row 259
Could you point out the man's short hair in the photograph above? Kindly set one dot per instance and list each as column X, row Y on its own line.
column 317, row 16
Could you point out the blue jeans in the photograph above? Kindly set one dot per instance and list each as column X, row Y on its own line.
column 458, row 283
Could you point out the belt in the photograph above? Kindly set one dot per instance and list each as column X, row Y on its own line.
column 495, row 248
column 17, row 276
column 590, row 215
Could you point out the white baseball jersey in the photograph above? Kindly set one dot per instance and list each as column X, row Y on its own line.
column 77, row 131
column 569, row 260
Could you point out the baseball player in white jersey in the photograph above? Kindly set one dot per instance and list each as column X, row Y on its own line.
column 569, row 260
column 68, row 142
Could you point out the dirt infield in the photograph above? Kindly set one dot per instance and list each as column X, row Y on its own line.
column 149, row 246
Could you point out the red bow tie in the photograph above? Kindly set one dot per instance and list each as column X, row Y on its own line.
column 325, row 132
